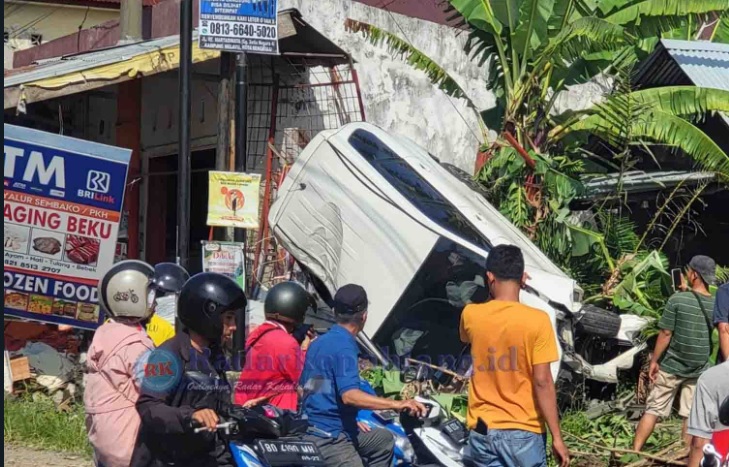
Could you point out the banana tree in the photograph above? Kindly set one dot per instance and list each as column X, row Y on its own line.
column 532, row 49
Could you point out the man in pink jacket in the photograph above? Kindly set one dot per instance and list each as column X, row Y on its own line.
column 114, row 360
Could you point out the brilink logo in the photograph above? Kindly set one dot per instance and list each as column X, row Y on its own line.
column 158, row 371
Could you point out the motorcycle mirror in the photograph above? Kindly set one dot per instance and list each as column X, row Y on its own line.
column 410, row 374
column 724, row 412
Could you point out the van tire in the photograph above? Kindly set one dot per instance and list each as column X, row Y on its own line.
column 598, row 322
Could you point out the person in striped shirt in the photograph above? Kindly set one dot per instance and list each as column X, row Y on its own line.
column 683, row 348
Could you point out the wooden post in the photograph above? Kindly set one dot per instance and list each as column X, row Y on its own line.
column 129, row 135
column 130, row 21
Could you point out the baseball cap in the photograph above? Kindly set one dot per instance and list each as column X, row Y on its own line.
column 350, row 299
column 705, row 267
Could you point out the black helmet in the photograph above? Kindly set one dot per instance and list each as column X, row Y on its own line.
column 170, row 277
column 203, row 300
column 287, row 302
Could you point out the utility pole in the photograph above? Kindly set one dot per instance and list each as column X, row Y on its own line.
column 225, row 117
column 241, row 124
column 183, row 168
column 241, row 165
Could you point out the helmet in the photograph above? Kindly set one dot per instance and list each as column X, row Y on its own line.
column 169, row 277
column 125, row 290
column 287, row 302
column 203, row 300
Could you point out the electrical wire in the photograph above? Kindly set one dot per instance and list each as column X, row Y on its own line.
column 17, row 32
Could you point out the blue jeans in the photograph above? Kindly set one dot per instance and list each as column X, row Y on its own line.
column 508, row 448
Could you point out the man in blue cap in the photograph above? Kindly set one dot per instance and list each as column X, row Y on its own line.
column 721, row 320
column 332, row 394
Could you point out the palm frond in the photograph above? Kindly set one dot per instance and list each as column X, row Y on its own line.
column 683, row 27
column 583, row 36
column 663, row 128
column 721, row 30
column 479, row 14
column 531, row 33
column 417, row 59
column 684, row 101
column 506, row 11
column 636, row 10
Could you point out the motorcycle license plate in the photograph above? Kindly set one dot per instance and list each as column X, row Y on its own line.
column 289, row 452
column 455, row 431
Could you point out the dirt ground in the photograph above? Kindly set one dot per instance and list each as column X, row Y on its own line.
column 19, row 456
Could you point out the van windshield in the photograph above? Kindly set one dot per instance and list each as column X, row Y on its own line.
column 424, row 324
column 416, row 189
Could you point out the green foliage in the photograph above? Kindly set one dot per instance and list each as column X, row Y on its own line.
column 614, row 430
column 536, row 202
column 658, row 115
column 38, row 423
column 722, row 274
column 532, row 50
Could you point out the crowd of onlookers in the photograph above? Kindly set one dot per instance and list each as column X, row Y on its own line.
column 144, row 418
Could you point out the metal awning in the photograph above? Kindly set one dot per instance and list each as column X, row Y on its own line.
column 676, row 62
column 71, row 74
column 634, row 182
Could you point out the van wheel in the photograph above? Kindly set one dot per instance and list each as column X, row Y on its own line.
column 598, row 322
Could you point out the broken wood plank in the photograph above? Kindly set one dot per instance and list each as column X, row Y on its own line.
column 663, row 452
column 607, row 449
column 436, row 367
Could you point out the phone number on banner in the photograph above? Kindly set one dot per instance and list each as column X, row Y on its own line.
column 235, row 29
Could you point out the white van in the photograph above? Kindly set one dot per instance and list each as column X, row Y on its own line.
column 361, row 205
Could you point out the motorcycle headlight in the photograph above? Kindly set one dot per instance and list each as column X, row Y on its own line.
column 404, row 445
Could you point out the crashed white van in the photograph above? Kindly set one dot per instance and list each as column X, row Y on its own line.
column 364, row 206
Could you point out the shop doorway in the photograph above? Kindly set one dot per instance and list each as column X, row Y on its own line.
column 161, row 208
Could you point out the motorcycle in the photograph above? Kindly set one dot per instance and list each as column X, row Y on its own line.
column 434, row 439
column 716, row 453
column 266, row 436
column 389, row 420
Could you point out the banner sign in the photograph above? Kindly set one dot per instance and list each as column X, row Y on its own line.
column 239, row 26
column 233, row 200
column 225, row 258
column 63, row 201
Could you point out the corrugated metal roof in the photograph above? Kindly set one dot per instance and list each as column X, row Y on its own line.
column 54, row 67
column 705, row 63
column 303, row 40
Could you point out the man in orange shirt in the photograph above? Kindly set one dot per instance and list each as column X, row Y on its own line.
column 511, row 395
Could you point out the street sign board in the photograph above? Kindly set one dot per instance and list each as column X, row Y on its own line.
column 63, row 202
column 239, row 26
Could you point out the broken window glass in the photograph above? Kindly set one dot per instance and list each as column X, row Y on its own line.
column 424, row 324
column 415, row 188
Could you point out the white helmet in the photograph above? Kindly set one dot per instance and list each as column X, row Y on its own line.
column 125, row 290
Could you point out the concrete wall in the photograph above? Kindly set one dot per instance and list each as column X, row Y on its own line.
column 51, row 21
column 396, row 96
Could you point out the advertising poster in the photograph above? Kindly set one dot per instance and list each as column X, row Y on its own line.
column 225, row 258
column 233, row 200
column 62, row 203
column 239, row 26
